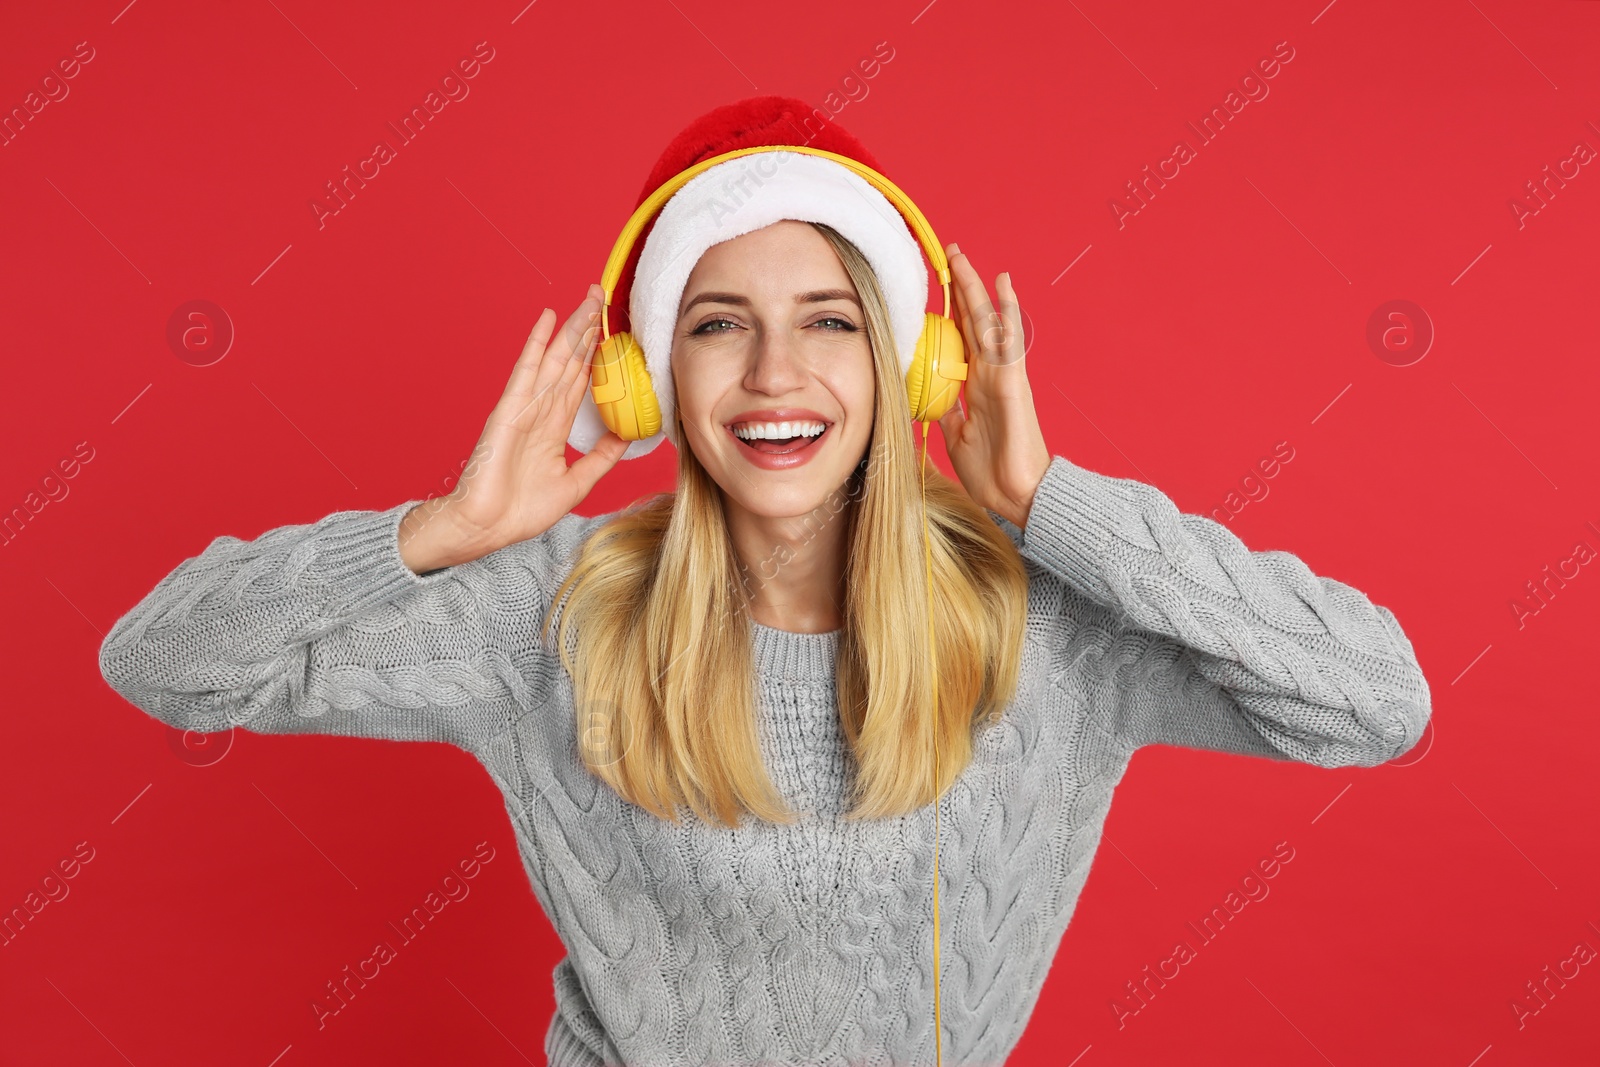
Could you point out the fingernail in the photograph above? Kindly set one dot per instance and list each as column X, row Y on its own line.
column 955, row 249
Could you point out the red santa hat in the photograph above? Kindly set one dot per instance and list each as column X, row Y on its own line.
column 742, row 195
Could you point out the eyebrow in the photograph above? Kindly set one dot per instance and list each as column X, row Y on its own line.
column 816, row 296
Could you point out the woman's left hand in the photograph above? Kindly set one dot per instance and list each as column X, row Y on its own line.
column 996, row 446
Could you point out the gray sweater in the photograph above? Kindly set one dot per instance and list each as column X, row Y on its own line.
column 810, row 943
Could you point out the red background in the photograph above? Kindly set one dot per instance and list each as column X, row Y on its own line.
column 1227, row 315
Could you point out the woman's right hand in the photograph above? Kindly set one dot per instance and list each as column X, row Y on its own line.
column 518, row 484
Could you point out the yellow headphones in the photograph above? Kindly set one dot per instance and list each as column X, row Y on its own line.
column 620, row 382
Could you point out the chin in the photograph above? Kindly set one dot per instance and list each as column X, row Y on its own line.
column 780, row 502
column 785, row 494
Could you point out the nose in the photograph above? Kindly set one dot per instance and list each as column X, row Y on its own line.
column 775, row 368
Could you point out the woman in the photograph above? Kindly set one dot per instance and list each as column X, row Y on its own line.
column 721, row 733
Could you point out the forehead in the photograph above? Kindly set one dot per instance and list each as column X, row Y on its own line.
column 784, row 255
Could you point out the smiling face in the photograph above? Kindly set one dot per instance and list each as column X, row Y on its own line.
column 770, row 347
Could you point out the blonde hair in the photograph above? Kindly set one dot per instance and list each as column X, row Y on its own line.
column 664, row 683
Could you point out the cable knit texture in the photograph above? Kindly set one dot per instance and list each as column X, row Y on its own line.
column 811, row 943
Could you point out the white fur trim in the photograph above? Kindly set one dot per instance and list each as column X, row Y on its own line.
column 738, row 197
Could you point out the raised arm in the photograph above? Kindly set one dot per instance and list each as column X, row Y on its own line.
column 1205, row 643
column 1215, row 646
column 410, row 626
column 323, row 628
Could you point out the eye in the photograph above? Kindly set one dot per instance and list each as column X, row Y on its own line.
column 711, row 322
column 845, row 325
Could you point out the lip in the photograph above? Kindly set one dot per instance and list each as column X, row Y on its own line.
column 777, row 415
column 778, row 461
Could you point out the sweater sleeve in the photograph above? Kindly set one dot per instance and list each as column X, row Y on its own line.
column 322, row 628
column 1232, row 650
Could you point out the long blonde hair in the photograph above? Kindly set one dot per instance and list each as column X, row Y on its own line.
column 664, row 683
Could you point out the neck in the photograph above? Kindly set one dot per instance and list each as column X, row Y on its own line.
column 794, row 566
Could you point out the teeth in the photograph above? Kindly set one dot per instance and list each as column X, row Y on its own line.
column 777, row 430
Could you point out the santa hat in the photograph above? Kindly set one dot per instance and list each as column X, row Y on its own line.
column 737, row 197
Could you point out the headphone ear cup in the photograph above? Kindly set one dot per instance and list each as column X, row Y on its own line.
column 620, row 384
column 937, row 369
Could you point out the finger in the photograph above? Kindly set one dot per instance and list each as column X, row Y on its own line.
column 580, row 371
column 593, row 464
column 950, row 424
column 985, row 318
column 958, row 302
column 578, row 366
column 543, row 385
column 567, row 342
column 586, row 317
column 574, row 385
column 972, row 300
column 527, row 365
column 1011, row 349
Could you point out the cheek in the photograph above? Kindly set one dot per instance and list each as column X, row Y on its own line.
column 696, row 389
column 858, row 393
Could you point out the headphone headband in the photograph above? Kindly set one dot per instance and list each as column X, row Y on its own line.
column 645, row 211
